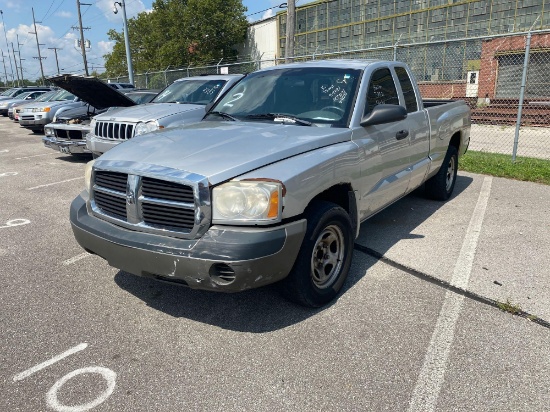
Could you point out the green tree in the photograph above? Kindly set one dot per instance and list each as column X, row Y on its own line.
column 179, row 33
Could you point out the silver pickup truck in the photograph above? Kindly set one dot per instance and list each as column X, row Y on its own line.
column 273, row 184
column 180, row 103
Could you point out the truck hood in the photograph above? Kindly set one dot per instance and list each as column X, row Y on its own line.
column 223, row 150
column 153, row 111
column 92, row 91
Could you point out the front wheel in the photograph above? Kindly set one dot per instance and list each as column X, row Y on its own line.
column 441, row 185
column 323, row 262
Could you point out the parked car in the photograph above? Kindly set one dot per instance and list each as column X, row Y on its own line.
column 13, row 112
column 273, row 184
column 67, row 132
column 141, row 96
column 182, row 102
column 121, row 86
column 15, row 91
column 36, row 116
column 26, row 97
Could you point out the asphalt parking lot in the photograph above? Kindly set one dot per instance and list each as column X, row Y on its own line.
column 416, row 328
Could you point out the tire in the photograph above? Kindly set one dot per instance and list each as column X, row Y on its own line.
column 323, row 262
column 441, row 185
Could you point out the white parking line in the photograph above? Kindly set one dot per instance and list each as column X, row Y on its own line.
column 28, row 157
column 43, row 365
column 55, row 183
column 430, row 380
column 76, row 258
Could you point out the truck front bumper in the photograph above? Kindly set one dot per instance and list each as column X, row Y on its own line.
column 224, row 259
column 99, row 146
column 65, row 146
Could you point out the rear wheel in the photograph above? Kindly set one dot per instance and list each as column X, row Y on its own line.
column 441, row 185
column 323, row 262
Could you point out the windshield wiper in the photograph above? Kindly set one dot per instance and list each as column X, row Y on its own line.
column 280, row 117
column 224, row 115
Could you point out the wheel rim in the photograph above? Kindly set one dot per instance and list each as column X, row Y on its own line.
column 327, row 257
column 450, row 174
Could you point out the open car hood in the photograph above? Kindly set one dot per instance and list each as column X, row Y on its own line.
column 92, row 91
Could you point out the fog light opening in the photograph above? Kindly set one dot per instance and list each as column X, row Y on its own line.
column 222, row 274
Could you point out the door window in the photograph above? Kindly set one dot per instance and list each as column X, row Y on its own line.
column 381, row 90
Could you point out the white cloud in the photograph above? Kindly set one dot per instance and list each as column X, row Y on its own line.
column 105, row 47
column 268, row 14
column 69, row 58
column 14, row 5
column 133, row 8
column 64, row 14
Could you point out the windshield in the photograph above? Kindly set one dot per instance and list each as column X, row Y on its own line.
column 63, row 95
column 46, row 96
column 22, row 96
column 190, row 91
column 141, row 98
column 319, row 95
column 8, row 92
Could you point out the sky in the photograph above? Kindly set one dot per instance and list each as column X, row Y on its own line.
column 54, row 22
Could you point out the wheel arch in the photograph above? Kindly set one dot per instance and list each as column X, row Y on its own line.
column 343, row 195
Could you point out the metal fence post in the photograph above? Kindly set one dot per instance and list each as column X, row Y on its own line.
column 521, row 95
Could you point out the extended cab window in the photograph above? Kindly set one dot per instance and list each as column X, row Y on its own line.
column 381, row 90
column 407, row 88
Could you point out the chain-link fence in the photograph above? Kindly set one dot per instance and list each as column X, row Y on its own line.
column 504, row 79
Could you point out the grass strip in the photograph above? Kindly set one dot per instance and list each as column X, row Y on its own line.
column 524, row 168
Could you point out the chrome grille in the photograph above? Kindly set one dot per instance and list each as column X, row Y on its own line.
column 68, row 134
column 169, row 217
column 149, row 204
column 111, row 205
column 112, row 180
column 110, row 193
column 115, row 131
column 162, row 189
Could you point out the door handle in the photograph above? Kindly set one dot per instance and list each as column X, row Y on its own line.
column 401, row 134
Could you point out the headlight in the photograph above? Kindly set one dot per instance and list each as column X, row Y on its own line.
column 248, row 202
column 142, row 128
column 41, row 109
column 88, row 175
column 48, row 131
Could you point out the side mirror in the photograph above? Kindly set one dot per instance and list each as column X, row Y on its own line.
column 384, row 113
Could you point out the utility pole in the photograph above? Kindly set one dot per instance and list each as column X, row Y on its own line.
column 37, row 46
column 55, row 49
column 7, row 47
column 20, row 59
column 15, row 61
column 290, row 28
column 5, row 71
column 82, row 43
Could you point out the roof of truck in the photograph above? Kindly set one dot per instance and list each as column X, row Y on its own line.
column 335, row 63
column 211, row 77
